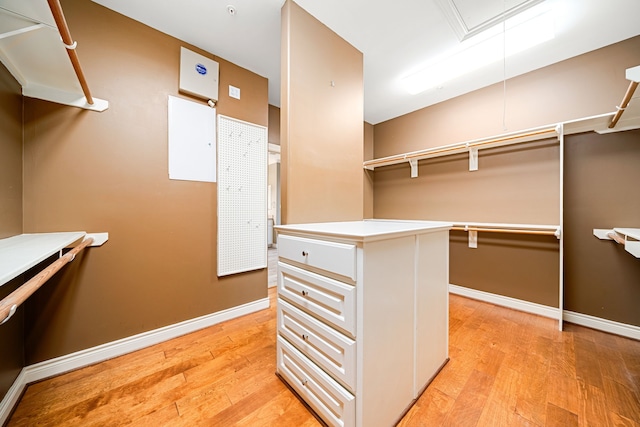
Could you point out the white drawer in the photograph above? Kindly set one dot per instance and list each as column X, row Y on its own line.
column 339, row 258
column 328, row 348
column 334, row 404
column 327, row 299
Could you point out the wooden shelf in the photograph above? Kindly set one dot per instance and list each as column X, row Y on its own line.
column 20, row 253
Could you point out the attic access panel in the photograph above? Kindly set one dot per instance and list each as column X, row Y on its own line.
column 470, row 17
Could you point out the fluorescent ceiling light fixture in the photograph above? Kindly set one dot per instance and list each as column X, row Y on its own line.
column 525, row 30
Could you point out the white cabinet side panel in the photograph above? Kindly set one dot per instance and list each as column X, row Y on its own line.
column 386, row 340
column 432, row 306
column 242, row 196
column 192, row 141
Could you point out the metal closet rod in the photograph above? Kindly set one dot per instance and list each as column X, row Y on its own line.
column 11, row 302
column 625, row 101
column 70, row 45
column 459, row 146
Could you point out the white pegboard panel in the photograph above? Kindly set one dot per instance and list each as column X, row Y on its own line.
column 242, row 196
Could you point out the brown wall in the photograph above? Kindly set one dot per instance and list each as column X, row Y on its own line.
column 11, row 333
column 321, row 125
column 517, row 184
column 601, row 191
column 513, row 184
column 108, row 172
column 274, row 125
column 10, row 155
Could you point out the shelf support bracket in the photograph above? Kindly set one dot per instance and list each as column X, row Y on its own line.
column 558, row 233
column 473, row 159
column 414, row 167
column 473, row 239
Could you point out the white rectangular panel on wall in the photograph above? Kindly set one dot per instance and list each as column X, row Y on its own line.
column 242, row 196
column 192, row 141
column 198, row 75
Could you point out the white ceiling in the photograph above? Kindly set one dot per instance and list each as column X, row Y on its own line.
column 394, row 37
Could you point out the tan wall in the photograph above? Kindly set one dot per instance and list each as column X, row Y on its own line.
column 11, row 333
column 583, row 86
column 514, row 184
column 108, row 172
column 321, row 125
column 274, row 125
column 368, row 175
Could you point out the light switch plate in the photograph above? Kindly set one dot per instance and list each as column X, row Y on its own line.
column 234, row 92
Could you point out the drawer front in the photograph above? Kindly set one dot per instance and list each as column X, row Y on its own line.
column 324, row 298
column 334, row 404
column 328, row 348
column 337, row 258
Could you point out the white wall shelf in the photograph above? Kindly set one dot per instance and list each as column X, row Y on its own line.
column 598, row 123
column 37, row 49
column 20, row 253
column 629, row 237
column 471, row 147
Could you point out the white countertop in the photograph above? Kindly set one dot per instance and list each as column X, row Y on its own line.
column 368, row 229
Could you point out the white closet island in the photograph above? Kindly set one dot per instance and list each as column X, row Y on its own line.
column 362, row 315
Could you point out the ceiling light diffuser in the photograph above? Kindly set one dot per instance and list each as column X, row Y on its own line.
column 521, row 32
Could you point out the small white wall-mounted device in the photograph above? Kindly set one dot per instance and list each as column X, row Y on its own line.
column 198, row 75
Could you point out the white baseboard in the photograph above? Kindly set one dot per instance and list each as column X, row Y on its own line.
column 11, row 398
column 605, row 325
column 90, row 356
column 592, row 322
column 516, row 304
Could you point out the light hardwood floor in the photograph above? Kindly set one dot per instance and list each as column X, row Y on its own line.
column 272, row 270
column 507, row 368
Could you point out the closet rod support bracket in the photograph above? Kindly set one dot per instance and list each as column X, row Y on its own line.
column 99, row 239
column 603, row 233
column 628, row 237
column 12, row 311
